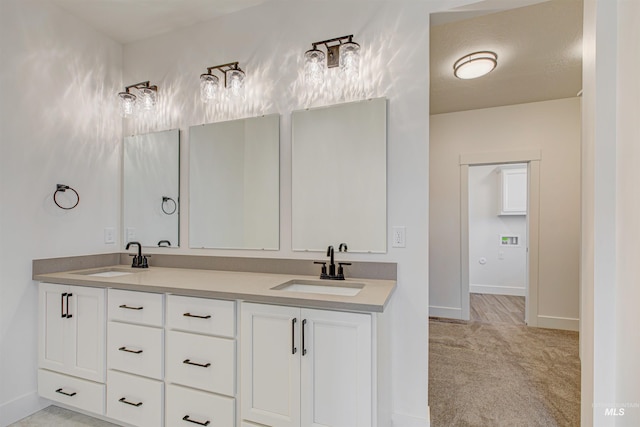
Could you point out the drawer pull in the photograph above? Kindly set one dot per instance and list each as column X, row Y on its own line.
column 129, row 350
column 124, row 400
column 66, row 394
column 208, row 316
column 189, row 362
column 64, row 316
column 131, row 308
column 186, row 418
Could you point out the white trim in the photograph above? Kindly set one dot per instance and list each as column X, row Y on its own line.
column 566, row 323
column 447, row 312
column 518, row 156
column 21, row 407
column 516, row 291
column 403, row 420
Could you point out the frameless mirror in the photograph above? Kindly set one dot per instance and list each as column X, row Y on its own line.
column 152, row 188
column 339, row 177
column 234, row 184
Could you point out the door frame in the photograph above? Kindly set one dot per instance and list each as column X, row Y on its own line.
column 532, row 158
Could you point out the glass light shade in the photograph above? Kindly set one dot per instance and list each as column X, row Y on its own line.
column 314, row 67
column 235, row 83
column 127, row 104
column 475, row 65
column 148, row 99
column 350, row 59
column 209, row 87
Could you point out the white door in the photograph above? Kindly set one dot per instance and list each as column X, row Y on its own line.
column 52, row 324
column 336, row 369
column 270, row 364
column 72, row 330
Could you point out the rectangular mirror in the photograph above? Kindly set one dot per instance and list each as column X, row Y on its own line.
column 151, row 181
column 234, row 184
column 339, row 177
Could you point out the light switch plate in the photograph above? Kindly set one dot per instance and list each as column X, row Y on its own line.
column 109, row 235
column 398, row 237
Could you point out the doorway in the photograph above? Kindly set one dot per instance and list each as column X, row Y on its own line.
column 498, row 243
column 532, row 160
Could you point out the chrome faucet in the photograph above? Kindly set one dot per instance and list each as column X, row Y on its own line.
column 139, row 261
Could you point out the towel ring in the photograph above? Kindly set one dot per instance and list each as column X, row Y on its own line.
column 166, row 199
column 61, row 188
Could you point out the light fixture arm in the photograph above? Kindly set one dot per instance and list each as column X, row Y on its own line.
column 349, row 38
column 223, row 69
column 141, row 85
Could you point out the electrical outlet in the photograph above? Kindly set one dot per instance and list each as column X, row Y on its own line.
column 398, row 237
column 109, row 235
column 131, row 234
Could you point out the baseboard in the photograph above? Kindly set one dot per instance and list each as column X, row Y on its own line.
column 497, row 290
column 565, row 323
column 21, row 407
column 402, row 420
column 447, row 312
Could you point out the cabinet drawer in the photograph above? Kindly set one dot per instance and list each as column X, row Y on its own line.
column 135, row 349
column 82, row 394
column 191, row 407
column 201, row 315
column 136, row 307
column 134, row 400
column 206, row 363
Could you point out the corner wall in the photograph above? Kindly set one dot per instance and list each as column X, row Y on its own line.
column 550, row 126
column 57, row 126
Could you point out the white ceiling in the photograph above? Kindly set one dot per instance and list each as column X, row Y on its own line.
column 539, row 51
column 127, row 21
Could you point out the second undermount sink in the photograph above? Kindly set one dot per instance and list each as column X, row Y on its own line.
column 325, row 287
column 107, row 272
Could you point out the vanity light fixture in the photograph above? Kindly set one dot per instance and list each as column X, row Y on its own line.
column 147, row 95
column 475, row 65
column 233, row 82
column 341, row 51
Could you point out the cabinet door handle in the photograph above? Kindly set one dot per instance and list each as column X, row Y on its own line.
column 66, row 394
column 69, row 316
column 124, row 400
column 189, row 362
column 131, row 308
column 294, row 349
column 62, row 305
column 304, row 349
column 186, row 418
column 208, row 316
column 129, row 350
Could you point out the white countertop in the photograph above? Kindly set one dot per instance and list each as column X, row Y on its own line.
column 254, row 287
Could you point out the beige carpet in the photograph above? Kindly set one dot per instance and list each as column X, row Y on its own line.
column 502, row 375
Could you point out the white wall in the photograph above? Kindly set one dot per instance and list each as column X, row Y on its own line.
column 554, row 128
column 57, row 125
column 493, row 267
column 269, row 42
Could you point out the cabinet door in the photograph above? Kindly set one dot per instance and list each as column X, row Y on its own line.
column 336, row 369
column 88, row 317
column 270, row 363
column 52, row 324
column 72, row 330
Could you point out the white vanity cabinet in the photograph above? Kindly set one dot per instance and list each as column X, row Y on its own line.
column 200, row 361
column 135, row 357
column 306, row 367
column 71, row 345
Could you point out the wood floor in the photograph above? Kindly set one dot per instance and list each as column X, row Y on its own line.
column 488, row 308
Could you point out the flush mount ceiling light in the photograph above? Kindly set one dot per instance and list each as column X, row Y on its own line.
column 147, row 97
column 233, row 82
column 475, row 65
column 341, row 51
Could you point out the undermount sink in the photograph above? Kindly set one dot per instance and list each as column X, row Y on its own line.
column 325, row 287
column 106, row 272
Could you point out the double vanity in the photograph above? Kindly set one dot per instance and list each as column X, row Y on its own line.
column 194, row 346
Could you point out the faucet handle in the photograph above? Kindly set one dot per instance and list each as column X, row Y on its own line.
column 323, row 273
column 340, row 275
